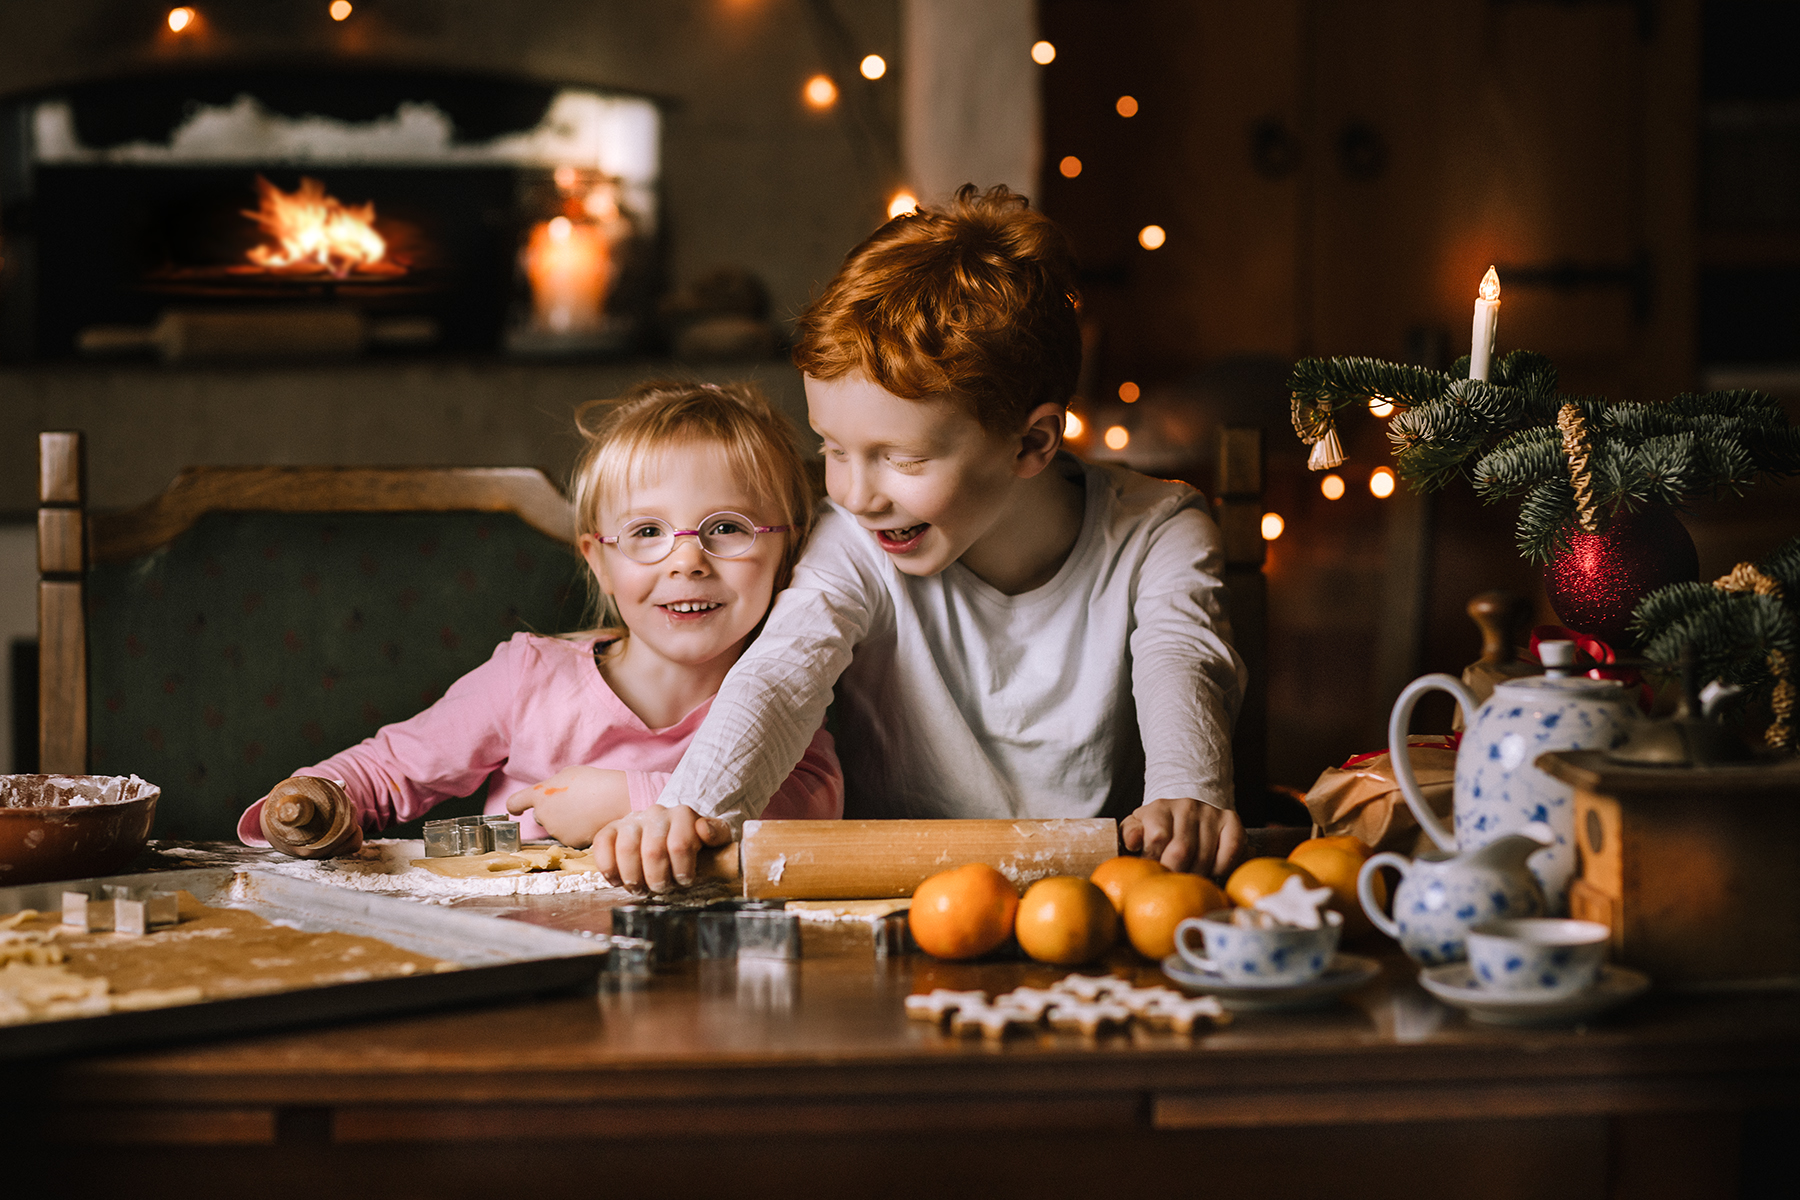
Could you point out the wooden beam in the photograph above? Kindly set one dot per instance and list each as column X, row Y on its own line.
column 62, row 621
column 196, row 491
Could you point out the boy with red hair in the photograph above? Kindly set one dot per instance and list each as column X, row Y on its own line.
column 1011, row 632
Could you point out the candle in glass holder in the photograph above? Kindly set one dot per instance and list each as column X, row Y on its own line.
column 569, row 269
column 1487, row 321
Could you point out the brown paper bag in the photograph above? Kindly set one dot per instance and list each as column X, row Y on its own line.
column 1361, row 798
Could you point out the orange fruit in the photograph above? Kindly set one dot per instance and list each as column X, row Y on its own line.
column 1065, row 920
column 963, row 912
column 1337, row 868
column 1156, row 905
column 1117, row 876
column 1263, row 877
column 1342, row 841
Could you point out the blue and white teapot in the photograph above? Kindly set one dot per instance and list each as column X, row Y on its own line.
column 1497, row 790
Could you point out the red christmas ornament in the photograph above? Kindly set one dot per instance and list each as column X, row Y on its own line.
column 1599, row 578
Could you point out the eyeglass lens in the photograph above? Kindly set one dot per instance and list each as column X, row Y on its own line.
column 722, row 535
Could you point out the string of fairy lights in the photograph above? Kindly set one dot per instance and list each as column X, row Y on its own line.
column 1152, row 237
column 186, row 20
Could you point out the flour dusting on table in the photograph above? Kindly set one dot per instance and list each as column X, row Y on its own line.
column 386, row 866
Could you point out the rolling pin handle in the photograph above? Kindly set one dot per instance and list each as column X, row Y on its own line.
column 311, row 818
column 294, row 812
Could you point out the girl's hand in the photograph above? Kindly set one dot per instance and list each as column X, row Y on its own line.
column 575, row 803
column 656, row 850
column 1185, row 835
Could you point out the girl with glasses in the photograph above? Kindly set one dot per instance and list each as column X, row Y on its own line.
column 691, row 506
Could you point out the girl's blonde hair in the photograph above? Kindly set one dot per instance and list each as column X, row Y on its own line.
column 622, row 439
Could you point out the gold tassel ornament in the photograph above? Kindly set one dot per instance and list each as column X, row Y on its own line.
column 1746, row 578
column 1580, row 449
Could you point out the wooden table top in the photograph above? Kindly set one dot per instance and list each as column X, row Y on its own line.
column 831, row 1029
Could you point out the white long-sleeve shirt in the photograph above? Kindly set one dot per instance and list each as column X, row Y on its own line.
column 1113, row 682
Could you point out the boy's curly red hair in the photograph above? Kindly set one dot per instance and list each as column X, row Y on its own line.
column 974, row 302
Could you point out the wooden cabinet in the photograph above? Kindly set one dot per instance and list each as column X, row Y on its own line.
column 1334, row 177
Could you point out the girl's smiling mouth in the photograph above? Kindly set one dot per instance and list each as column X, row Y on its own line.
column 690, row 609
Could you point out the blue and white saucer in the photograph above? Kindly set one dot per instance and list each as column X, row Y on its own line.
column 1346, row 971
column 1457, row 986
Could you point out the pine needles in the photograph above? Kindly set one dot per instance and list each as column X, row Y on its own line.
column 1502, row 434
column 1749, row 636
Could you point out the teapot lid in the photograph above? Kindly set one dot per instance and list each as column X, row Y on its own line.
column 1560, row 674
column 1570, row 686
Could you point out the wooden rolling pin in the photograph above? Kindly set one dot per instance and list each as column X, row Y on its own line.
column 311, row 818
column 857, row 860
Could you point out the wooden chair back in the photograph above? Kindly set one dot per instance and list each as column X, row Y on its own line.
column 252, row 620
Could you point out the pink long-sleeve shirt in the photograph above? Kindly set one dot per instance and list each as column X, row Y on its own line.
column 538, row 705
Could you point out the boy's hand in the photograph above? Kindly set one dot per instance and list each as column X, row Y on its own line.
column 575, row 803
column 1185, row 835
column 656, row 850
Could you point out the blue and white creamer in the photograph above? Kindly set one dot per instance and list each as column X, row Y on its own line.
column 1441, row 895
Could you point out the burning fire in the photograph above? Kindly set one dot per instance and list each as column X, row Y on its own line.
column 315, row 232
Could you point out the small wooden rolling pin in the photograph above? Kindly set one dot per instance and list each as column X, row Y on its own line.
column 311, row 818
column 856, row 860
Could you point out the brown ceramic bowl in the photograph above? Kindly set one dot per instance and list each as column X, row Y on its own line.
column 71, row 826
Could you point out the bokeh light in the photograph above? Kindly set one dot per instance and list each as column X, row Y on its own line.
column 821, row 92
column 1272, row 525
column 1070, row 166
column 1332, row 487
column 181, row 18
column 1381, row 482
column 873, row 66
column 340, row 10
column 1043, row 53
column 1151, row 237
column 903, row 202
column 1128, row 392
column 1127, row 106
column 1073, row 426
column 1381, row 406
column 1117, row 437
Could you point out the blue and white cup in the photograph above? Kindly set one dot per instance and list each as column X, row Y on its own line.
column 1282, row 954
column 1547, row 955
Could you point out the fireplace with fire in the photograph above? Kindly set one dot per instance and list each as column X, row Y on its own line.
column 284, row 213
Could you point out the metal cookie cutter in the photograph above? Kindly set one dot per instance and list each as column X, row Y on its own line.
column 893, row 936
column 470, row 835
column 670, row 929
column 768, row 933
column 718, row 931
column 133, row 910
column 630, row 959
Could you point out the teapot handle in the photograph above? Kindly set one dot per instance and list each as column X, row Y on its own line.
column 1403, row 771
column 1365, row 889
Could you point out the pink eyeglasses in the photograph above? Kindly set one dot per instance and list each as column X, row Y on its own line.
column 647, row 540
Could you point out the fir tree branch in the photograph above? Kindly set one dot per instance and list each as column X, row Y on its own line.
column 1546, row 519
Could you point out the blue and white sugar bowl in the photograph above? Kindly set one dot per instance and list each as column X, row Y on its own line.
column 1498, row 790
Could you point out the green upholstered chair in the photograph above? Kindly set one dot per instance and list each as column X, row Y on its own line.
column 249, row 621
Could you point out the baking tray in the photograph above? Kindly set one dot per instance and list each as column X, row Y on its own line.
column 500, row 959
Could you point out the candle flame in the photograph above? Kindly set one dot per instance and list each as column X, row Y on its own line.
column 1490, row 285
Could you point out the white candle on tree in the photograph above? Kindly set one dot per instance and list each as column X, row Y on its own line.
column 1487, row 320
